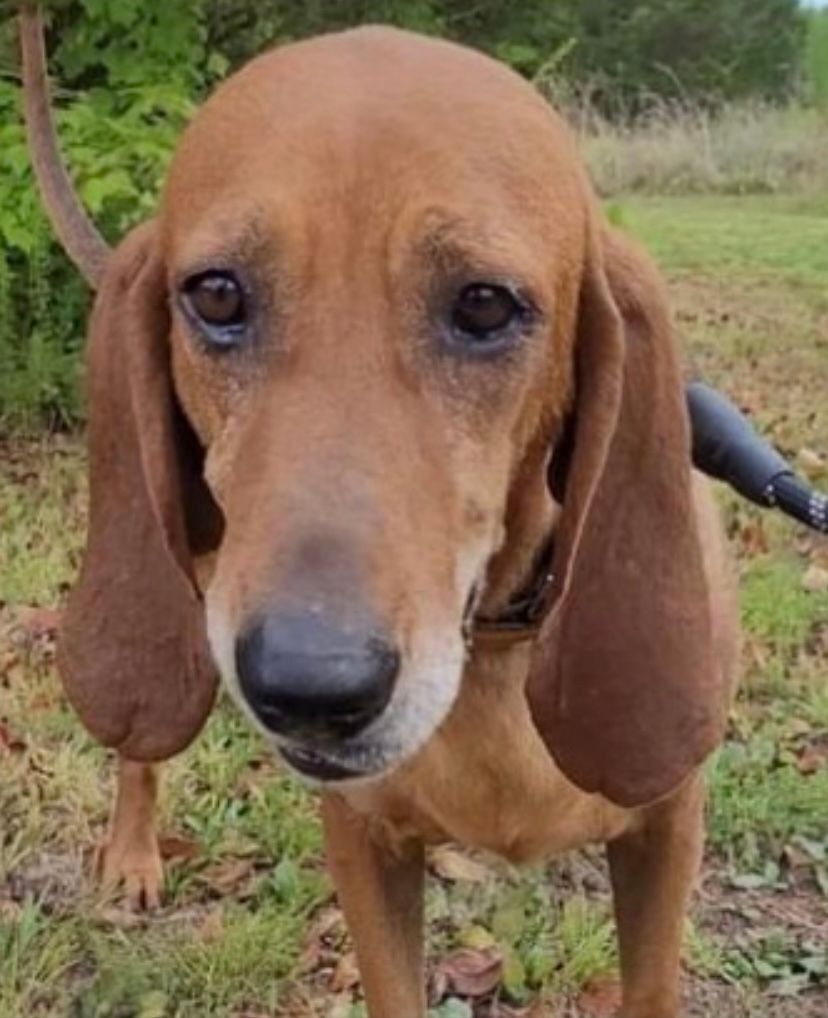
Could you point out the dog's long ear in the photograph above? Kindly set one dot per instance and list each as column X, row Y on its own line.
column 623, row 687
column 133, row 654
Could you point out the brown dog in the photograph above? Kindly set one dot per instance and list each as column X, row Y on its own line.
column 380, row 399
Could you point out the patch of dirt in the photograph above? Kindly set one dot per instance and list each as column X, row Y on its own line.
column 708, row 999
column 767, row 347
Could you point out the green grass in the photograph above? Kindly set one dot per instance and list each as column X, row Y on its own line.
column 753, row 239
column 750, row 280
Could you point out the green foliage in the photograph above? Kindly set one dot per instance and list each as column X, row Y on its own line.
column 117, row 145
column 816, row 58
column 119, row 44
column 129, row 75
column 117, row 139
column 621, row 50
column 759, row 801
column 686, row 49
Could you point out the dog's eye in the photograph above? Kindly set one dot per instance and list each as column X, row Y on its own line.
column 484, row 311
column 216, row 298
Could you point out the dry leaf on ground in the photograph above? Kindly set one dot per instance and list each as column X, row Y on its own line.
column 815, row 579
column 469, row 973
column 174, row 848
column 346, row 974
column 39, row 621
column 600, row 999
column 226, row 876
column 10, row 742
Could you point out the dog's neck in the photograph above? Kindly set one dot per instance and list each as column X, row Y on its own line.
column 519, row 575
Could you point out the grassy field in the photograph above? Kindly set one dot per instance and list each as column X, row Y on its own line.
column 249, row 929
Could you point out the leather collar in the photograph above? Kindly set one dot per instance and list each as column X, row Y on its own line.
column 523, row 616
column 526, row 611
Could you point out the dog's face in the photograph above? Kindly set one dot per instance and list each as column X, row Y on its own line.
column 377, row 286
column 373, row 246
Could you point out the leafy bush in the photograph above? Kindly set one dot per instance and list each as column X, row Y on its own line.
column 816, row 59
column 118, row 146
column 130, row 74
column 117, row 137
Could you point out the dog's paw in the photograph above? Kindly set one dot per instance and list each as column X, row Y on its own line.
column 133, row 870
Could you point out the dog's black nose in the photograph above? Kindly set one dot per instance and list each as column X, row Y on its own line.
column 304, row 676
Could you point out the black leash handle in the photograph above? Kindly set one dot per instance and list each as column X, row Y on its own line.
column 797, row 499
column 727, row 447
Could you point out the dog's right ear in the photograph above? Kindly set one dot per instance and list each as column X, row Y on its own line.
column 133, row 653
column 625, row 687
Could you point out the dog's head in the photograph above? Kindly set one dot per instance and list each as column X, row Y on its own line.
column 339, row 361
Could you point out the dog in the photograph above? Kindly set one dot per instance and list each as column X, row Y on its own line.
column 387, row 431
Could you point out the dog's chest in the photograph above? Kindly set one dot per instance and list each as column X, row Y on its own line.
column 486, row 780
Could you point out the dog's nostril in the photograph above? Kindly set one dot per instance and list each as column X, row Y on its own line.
column 303, row 675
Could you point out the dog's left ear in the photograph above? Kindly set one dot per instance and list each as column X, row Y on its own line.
column 624, row 687
column 133, row 651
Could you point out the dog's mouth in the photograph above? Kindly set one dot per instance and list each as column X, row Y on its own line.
column 424, row 694
column 317, row 766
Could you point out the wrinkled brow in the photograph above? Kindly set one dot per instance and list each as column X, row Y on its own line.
column 461, row 245
column 232, row 231
column 220, row 245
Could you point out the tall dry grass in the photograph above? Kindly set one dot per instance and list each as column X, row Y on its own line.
column 747, row 148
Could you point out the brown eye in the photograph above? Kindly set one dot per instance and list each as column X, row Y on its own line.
column 217, row 300
column 482, row 311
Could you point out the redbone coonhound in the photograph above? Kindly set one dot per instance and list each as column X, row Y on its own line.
column 387, row 429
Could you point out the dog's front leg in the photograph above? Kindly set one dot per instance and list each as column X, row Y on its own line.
column 381, row 894
column 131, row 855
column 653, row 872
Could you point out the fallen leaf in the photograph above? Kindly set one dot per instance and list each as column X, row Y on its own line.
column 471, row 973
column 811, row 463
column 753, row 539
column 812, row 758
column 756, row 652
column 600, row 999
column 477, row 937
column 10, row 910
column 258, row 774
column 153, row 1005
column 346, row 974
column 795, row 858
column 9, row 742
column 174, row 848
column 329, row 921
column 46, row 700
column 819, row 552
column 119, row 918
column 533, row 1010
column 341, row 1006
column 815, row 579
column 212, row 926
column 328, row 928
column 39, row 621
column 451, row 864
column 453, row 1007
column 226, row 876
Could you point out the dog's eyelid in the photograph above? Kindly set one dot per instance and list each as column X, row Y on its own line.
column 215, row 334
column 523, row 291
column 218, row 265
column 485, row 314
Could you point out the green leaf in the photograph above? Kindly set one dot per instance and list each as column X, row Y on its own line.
column 153, row 1005
column 452, row 1008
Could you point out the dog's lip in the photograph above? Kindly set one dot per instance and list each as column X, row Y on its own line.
column 313, row 764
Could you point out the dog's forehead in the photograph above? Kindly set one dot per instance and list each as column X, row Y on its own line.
column 366, row 111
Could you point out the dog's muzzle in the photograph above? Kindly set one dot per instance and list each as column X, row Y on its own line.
column 315, row 683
